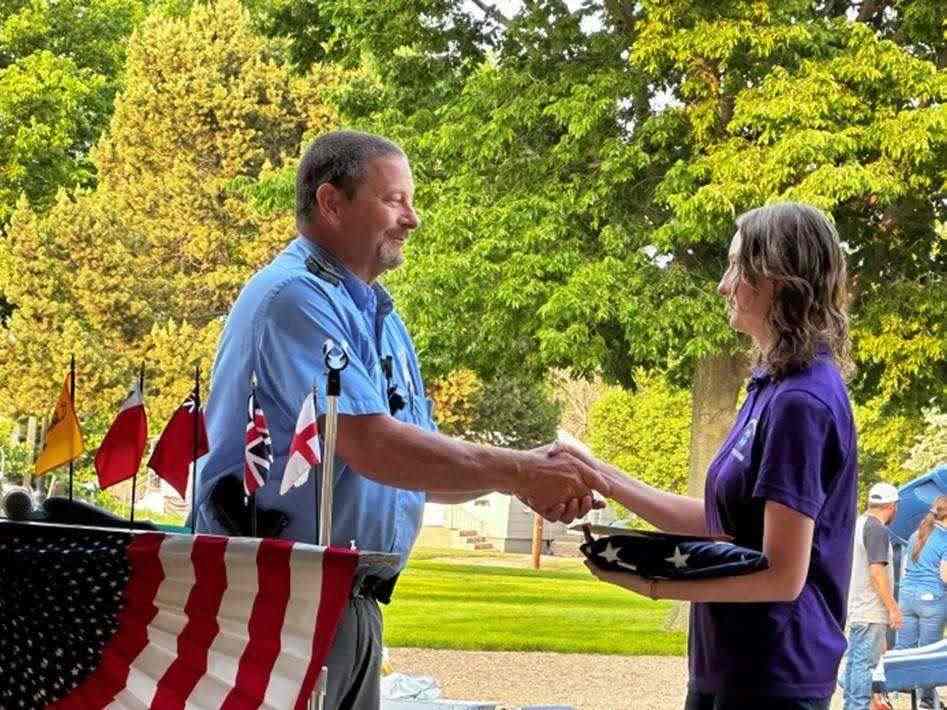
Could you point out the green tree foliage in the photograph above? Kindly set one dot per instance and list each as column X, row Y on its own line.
column 503, row 412
column 579, row 188
column 516, row 413
column 644, row 433
column 143, row 268
column 61, row 65
column 930, row 447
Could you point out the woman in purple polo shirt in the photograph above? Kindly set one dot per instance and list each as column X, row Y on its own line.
column 783, row 482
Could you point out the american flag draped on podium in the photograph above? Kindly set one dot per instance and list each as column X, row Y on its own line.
column 93, row 618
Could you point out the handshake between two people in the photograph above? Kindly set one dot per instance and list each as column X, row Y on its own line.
column 563, row 482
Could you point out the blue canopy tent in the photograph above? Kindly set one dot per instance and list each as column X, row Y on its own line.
column 910, row 668
column 916, row 499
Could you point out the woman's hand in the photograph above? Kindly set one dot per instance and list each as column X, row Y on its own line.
column 567, row 512
column 580, row 452
column 632, row 582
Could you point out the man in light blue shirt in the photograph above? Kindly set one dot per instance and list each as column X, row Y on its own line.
column 354, row 207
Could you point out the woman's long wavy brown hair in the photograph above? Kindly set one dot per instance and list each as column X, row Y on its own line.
column 796, row 246
column 937, row 514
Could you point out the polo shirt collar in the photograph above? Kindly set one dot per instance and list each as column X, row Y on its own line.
column 758, row 378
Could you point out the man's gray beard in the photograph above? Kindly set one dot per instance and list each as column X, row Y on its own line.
column 390, row 257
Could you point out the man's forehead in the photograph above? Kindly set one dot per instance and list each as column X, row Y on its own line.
column 390, row 171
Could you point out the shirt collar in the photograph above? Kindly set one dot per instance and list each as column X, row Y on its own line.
column 758, row 378
column 365, row 295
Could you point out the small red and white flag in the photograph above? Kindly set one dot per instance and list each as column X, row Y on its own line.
column 119, row 455
column 258, row 449
column 183, row 440
column 304, row 452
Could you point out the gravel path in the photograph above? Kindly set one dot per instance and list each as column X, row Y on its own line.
column 585, row 681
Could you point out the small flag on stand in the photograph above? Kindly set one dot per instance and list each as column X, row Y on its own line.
column 304, row 450
column 120, row 453
column 63, row 438
column 182, row 442
column 259, row 447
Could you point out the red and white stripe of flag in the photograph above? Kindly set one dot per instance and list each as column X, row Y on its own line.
column 220, row 623
column 304, row 451
column 120, row 452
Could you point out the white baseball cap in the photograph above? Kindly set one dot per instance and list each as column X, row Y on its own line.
column 882, row 493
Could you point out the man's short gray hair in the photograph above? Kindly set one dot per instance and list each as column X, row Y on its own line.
column 341, row 159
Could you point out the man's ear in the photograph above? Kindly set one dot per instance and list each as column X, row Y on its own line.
column 328, row 204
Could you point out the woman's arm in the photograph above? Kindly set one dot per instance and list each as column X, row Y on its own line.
column 666, row 511
column 787, row 544
column 943, row 571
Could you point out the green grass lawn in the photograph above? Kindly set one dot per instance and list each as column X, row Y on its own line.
column 490, row 607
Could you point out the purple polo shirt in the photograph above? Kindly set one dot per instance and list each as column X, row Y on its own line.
column 793, row 443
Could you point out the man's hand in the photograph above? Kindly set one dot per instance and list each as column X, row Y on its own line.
column 567, row 511
column 547, row 482
column 895, row 617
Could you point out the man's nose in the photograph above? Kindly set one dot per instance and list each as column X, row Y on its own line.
column 410, row 219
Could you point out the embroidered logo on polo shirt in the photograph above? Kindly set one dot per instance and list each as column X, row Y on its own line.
column 746, row 436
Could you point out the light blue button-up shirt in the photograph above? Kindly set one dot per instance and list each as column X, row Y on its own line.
column 276, row 329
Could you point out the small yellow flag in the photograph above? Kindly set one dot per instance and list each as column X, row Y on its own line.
column 63, row 438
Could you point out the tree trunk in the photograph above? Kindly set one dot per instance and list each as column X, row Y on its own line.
column 717, row 382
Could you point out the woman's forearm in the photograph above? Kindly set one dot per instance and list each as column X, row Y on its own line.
column 666, row 511
column 765, row 586
column 787, row 544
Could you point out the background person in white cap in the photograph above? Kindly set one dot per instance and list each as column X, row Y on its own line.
column 871, row 604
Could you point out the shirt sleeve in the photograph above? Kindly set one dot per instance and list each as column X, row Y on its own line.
column 876, row 544
column 799, row 432
column 299, row 319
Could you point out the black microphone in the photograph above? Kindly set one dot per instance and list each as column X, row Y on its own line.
column 18, row 504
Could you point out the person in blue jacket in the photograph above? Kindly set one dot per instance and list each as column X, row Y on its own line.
column 923, row 601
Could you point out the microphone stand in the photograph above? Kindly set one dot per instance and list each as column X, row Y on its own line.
column 336, row 360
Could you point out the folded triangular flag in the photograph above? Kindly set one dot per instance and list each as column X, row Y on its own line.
column 304, row 451
column 174, row 452
column 63, row 438
column 121, row 450
column 259, row 447
column 658, row 555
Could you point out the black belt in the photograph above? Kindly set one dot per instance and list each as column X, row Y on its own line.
column 373, row 587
